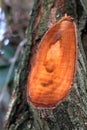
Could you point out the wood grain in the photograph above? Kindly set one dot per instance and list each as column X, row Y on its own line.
column 54, row 66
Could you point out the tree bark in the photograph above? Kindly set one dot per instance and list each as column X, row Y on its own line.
column 71, row 113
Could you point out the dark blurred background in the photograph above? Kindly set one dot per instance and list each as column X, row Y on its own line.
column 14, row 19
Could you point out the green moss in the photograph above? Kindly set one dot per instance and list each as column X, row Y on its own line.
column 45, row 17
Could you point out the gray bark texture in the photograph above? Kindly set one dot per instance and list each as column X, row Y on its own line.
column 71, row 113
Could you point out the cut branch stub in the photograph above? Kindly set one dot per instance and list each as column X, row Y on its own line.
column 53, row 69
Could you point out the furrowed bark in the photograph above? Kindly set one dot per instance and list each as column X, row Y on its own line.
column 71, row 113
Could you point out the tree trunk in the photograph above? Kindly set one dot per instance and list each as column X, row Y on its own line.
column 71, row 113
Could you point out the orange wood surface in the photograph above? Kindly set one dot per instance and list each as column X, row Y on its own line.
column 53, row 69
